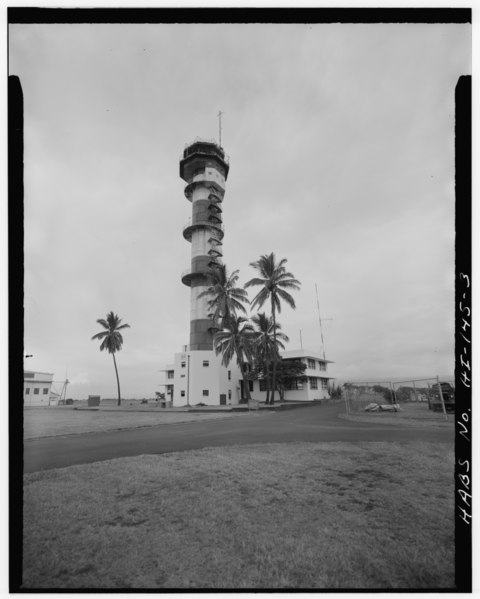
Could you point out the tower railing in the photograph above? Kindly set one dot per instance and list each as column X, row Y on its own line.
column 202, row 223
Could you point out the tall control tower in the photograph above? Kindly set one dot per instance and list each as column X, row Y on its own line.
column 204, row 167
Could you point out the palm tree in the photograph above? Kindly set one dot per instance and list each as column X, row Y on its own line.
column 236, row 339
column 112, row 339
column 267, row 344
column 274, row 280
column 227, row 298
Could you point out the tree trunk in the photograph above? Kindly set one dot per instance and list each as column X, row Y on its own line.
column 244, row 378
column 274, row 370
column 118, row 380
column 267, row 381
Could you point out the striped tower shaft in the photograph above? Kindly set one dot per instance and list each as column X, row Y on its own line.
column 204, row 167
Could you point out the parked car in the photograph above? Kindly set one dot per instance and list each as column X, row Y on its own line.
column 435, row 400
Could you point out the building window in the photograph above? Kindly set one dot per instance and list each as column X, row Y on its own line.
column 311, row 363
column 183, row 364
column 323, row 365
column 205, row 393
column 324, row 383
column 206, row 363
column 229, row 375
column 229, row 394
column 250, row 386
column 182, row 393
column 182, row 376
column 36, row 391
column 263, row 384
column 27, row 391
column 170, row 374
column 313, row 383
column 45, row 391
column 28, row 375
column 294, row 385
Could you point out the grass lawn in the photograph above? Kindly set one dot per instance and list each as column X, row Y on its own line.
column 49, row 422
column 279, row 516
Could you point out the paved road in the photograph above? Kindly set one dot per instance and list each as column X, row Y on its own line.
column 314, row 424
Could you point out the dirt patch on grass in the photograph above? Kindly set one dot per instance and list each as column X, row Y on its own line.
column 296, row 516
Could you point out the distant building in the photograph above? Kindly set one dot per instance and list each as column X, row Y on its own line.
column 37, row 389
column 316, row 386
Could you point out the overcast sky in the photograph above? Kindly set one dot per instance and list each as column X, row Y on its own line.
column 341, row 146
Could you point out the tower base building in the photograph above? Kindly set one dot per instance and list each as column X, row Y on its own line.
column 198, row 377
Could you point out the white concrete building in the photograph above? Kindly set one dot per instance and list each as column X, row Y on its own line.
column 37, row 389
column 314, row 389
column 198, row 377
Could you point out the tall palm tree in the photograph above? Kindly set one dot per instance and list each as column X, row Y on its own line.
column 236, row 339
column 227, row 298
column 267, row 344
column 112, row 339
column 274, row 280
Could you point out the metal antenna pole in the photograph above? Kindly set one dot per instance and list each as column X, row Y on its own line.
column 320, row 321
column 220, row 127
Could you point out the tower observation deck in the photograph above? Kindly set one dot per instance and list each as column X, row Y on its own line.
column 204, row 167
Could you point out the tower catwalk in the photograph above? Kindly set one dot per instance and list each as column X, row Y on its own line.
column 204, row 167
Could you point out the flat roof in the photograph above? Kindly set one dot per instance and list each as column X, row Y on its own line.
column 304, row 353
column 36, row 372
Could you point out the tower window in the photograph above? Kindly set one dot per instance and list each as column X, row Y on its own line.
column 27, row 391
column 182, row 393
column 229, row 375
column 229, row 394
column 183, row 364
column 206, row 363
column 205, row 393
column 36, row 391
column 45, row 391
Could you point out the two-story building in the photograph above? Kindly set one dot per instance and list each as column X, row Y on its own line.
column 316, row 386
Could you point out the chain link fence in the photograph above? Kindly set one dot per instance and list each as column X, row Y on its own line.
column 437, row 394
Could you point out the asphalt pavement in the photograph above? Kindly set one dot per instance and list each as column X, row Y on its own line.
column 318, row 423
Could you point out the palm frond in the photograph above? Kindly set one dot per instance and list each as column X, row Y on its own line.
column 286, row 297
column 100, row 335
column 103, row 322
column 255, row 281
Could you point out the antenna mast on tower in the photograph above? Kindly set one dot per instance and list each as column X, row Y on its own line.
column 220, row 128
